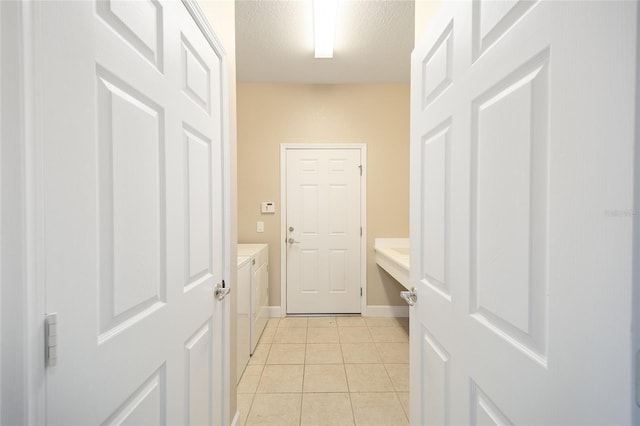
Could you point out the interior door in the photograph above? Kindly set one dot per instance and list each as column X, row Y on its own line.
column 521, row 234
column 132, row 167
column 323, row 230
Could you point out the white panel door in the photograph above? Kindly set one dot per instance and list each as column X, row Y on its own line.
column 323, row 230
column 133, row 204
column 522, row 116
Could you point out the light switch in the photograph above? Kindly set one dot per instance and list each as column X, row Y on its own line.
column 259, row 226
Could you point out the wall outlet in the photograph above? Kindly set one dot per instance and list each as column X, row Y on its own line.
column 259, row 226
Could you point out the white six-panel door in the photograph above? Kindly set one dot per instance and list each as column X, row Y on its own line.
column 323, row 254
column 522, row 116
column 132, row 171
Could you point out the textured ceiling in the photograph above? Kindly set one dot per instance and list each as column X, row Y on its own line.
column 373, row 42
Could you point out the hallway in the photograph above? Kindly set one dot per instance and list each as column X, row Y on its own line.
column 328, row 371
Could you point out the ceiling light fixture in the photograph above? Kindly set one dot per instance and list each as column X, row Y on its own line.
column 324, row 26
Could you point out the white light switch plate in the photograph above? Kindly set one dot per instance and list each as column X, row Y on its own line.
column 259, row 226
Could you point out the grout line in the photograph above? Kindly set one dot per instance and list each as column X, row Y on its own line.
column 344, row 367
column 246, row 417
column 389, row 376
column 304, row 364
column 401, row 407
column 304, row 371
column 406, row 415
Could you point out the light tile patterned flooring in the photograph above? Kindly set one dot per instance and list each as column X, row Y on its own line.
column 328, row 371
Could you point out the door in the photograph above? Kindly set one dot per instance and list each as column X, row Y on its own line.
column 323, row 230
column 132, row 195
column 521, row 228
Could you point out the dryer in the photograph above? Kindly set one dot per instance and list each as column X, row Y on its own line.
column 259, row 289
column 243, row 310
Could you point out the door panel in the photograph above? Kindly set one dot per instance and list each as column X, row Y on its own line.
column 199, row 207
column 140, row 24
column 522, row 141
column 509, row 206
column 198, row 374
column 323, row 208
column 145, row 406
column 131, row 233
column 133, row 211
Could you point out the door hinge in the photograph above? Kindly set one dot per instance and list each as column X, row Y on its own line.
column 361, row 231
column 360, row 291
column 360, row 167
column 51, row 339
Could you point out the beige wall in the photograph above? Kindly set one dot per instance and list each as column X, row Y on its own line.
column 221, row 15
column 425, row 10
column 378, row 115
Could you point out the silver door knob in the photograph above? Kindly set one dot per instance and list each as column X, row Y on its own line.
column 292, row 241
column 291, row 229
column 411, row 296
column 221, row 291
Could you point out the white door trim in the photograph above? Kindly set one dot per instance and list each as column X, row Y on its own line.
column 284, row 147
column 32, row 405
column 32, row 141
column 1, row 212
column 21, row 342
column 635, row 291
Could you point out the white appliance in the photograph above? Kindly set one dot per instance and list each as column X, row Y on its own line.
column 243, row 295
column 259, row 288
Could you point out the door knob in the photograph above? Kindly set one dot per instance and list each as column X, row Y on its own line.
column 411, row 296
column 292, row 241
column 221, row 291
column 291, row 229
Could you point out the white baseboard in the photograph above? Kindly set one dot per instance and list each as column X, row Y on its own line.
column 274, row 311
column 386, row 311
column 370, row 311
column 236, row 418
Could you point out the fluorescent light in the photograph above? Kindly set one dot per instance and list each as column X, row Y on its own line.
column 324, row 26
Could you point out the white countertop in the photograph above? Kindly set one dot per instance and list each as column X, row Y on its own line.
column 242, row 260
column 392, row 255
column 249, row 249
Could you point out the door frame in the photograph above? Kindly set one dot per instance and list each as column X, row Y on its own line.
column 284, row 148
column 26, row 287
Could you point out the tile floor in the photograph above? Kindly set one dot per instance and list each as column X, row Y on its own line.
column 328, row 371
